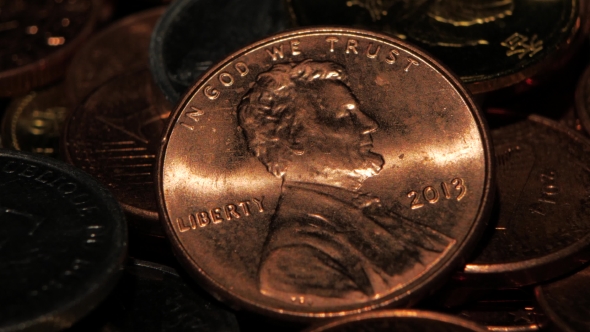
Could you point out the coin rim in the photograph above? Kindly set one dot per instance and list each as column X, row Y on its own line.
column 479, row 84
column 156, row 56
column 411, row 295
column 403, row 313
column 45, row 70
column 69, row 81
column 64, row 150
column 101, row 285
column 528, row 271
column 547, row 308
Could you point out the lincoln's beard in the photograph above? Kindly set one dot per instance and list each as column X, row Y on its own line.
column 370, row 164
column 348, row 170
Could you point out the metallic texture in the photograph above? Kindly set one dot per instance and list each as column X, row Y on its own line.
column 63, row 238
column 541, row 228
column 37, row 39
column 490, row 44
column 120, row 48
column 153, row 297
column 400, row 320
column 566, row 301
column 194, row 34
column 324, row 172
column 114, row 135
column 34, row 122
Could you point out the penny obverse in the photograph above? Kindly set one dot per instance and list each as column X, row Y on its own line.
column 324, row 172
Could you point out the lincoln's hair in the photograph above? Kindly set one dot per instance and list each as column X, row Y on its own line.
column 271, row 114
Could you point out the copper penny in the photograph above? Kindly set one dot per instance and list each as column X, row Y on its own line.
column 565, row 301
column 400, row 320
column 541, row 228
column 34, row 122
column 37, row 39
column 121, row 47
column 114, row 136
column 324, row 172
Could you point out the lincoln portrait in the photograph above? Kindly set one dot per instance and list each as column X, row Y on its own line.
column 328, row 239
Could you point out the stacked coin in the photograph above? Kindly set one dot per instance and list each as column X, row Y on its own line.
column 294, row 165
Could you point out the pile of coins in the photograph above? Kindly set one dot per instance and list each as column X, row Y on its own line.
column 336, row 165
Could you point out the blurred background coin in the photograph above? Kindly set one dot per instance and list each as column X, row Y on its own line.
column 37, row 39
column 323, row 172
column 541, row 226
column 34, row 122
column 490, row 44
column 63, row 239
column 400, row 320
column 194, row 34
column 566, row 302
column 114, row 135
column 153, row 297
column 121, row 47
column 583, row 100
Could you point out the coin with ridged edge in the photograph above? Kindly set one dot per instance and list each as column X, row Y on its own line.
column 63, row 239
column 324, row 172
column 153, row 297
column 215, row 28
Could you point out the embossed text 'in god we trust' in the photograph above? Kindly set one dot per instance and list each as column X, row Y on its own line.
column 295, row 50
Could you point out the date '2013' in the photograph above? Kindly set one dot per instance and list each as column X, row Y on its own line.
column 456, row 189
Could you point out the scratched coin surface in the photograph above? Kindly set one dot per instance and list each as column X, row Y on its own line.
column 490, row 44
column 194, row 34
column 62, row 243
column 153, row 297
column 37, row 38
column 566, row 301
column 323, row 172
column 541, row 228
column 121, row 47
column 114, row 135
column 34, row 122
column 400, row 320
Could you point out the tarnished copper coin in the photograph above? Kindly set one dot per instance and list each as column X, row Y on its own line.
column 37, row 38
column 565, row 301
column 34, row 122
column 542, row 224
column 490, row 44
column 324, row 172
column 118, row 49
column 114, row 135
column 400, row 320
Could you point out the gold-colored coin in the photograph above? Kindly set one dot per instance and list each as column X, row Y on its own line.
column 33, row 122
